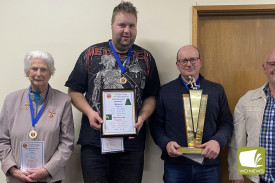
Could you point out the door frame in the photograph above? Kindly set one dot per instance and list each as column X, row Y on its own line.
column 220, row 10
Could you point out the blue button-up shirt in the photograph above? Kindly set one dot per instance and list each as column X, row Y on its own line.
column 267, row 136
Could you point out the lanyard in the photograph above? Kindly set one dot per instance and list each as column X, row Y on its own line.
column 122, row 68
column 35, row 120
column 185, row 84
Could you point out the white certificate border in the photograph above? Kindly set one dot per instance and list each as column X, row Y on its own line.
column 104, row 150
column 21, row 151
column 134, row 132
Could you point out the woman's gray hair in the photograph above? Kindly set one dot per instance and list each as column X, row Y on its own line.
column 39, row 54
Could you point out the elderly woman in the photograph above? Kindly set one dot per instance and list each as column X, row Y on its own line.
column 37, row 132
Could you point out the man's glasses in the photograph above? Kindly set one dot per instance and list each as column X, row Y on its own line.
column 185, row 61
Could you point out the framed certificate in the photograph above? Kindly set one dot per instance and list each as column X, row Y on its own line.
column 118, row 113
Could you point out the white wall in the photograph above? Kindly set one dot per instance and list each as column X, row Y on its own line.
column 66, row 27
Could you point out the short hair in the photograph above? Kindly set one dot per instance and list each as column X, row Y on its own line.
column 185, row 46
column 39, row 54
column 127, row 7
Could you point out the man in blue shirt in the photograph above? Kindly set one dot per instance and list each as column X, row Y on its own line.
column 254, row 126
column 168, row 130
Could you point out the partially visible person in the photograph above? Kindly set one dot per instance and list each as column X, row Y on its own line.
column 254, row 125
column 37, row 113
column 115, row 64
column 169, row 132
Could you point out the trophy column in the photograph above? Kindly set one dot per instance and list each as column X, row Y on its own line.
column 194, row 105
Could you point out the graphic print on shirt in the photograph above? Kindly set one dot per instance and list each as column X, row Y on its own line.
column 108, row 78
column 108, row 74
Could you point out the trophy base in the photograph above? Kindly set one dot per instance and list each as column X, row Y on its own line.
column 190, row 150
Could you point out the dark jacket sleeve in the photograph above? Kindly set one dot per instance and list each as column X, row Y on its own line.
column 157, row 125
column 224, row 122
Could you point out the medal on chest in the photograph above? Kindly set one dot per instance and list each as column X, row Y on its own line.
column 32, row 134
column 123, row 79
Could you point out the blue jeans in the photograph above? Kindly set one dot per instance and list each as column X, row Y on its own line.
column 111, row 168
column 178, row 173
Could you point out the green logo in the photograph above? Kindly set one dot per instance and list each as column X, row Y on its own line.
column 251, row 160
column 128, row 102
column 108, row 116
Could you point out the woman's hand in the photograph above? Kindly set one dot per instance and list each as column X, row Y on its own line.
column 22, row 176
column 38, row 174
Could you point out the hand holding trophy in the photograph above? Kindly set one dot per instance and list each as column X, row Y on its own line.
column 194, row 105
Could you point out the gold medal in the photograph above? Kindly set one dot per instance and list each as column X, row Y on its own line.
column 123, row 80
column 33, row 134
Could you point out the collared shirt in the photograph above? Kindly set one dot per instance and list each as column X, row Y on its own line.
column 267, row 136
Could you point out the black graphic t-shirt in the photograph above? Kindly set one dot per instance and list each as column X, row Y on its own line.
column 97, row 69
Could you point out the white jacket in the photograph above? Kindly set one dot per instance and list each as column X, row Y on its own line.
column 248, row 116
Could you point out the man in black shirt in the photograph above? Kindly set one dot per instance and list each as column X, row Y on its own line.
column 115, row 64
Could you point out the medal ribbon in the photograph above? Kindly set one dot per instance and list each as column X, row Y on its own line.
column 198, row 87
column 35, row 120
column 122, row 68
column 186, row 86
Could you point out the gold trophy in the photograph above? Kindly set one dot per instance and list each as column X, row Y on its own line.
column 194, row 105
